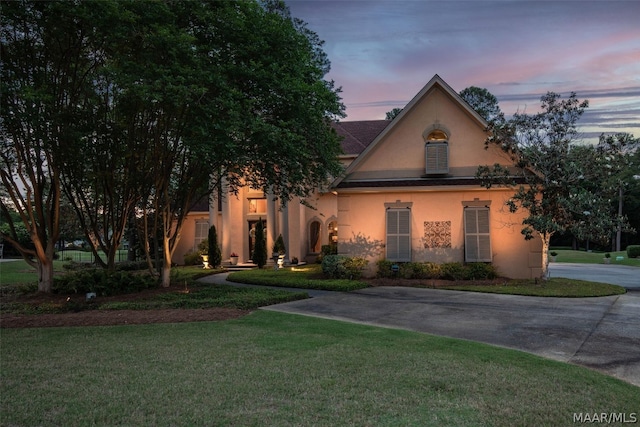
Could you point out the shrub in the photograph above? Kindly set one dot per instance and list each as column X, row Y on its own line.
column 203, row 247
column 192, row 258
column 480, row 270
column 384, row 268
column 331, row 249
column 354, row 267
column 259, row 255
column 279, row 247
column 430, row 270
column 215, row 255
column 633, row 251
column 453, row 271
column 343, row 267
column 103, row 282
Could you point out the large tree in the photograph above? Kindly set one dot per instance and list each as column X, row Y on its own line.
column 483, row 102
column 49, row 54
column 554, row 178
column 162, row 104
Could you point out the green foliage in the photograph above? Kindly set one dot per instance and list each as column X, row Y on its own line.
column 192, row 258
column 390, row 115
column 103, row 282
column 171, row 96
column 343, row 267
column 483, row 102
column 279, row 246
column 331, row 249
column 430, row 270
column 633, row 251
column 203, row 247
column 215, row 255
column 259, row 256
column 560, row 184
column 453, row 271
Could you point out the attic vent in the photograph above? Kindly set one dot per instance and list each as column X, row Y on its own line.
column 436, row 153
column 437, row 158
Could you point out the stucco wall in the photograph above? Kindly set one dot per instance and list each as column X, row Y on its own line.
column 361, row 228
column 187, row 236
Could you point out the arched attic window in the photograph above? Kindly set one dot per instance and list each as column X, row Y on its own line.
column 436, row 152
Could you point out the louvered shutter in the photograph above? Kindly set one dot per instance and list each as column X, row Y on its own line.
column 477, row 242
column 399, row 234
column 437, row 158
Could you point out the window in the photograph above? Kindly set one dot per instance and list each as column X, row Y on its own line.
column 436, row 153
column 202, row 232
column 399, row 234
column 257, row 206
column 332, row 231
column 477, row 242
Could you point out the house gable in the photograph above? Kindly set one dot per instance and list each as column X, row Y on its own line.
column 401, row 151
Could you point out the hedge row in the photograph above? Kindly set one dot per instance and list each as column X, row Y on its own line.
column 430, row 270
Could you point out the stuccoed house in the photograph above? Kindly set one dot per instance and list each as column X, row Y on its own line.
column 409, row 193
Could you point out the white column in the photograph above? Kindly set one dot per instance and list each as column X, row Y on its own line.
column 224, row 233
column 283, row 228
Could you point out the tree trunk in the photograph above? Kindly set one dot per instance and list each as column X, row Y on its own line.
column 546, row 239
column 166, row 274
column 45, row 276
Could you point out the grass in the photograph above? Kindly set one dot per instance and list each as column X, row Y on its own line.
column 280, row 369
column 307, row 276
column 583, row 257
column 554, row 287
column 19, row 272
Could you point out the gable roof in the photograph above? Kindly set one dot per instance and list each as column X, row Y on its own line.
column 358, row 134
column 436, row 81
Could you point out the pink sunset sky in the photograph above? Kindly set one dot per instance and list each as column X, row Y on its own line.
column 383, row 52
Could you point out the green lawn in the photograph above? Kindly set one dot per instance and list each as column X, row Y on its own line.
column 308, row 276
column 583, row 257
column 554, row 287
column 279, row 369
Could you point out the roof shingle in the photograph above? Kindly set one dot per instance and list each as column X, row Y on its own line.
column 359, row 134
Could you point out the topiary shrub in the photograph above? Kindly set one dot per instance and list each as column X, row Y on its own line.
column 633, row 251
column 279, row 247
column 259, row 255
column 215, row 255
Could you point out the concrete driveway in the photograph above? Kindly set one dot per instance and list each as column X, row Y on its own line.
column 622, row 275
column 600, row 333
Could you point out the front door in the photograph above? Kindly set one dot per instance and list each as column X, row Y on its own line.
column 252, row 234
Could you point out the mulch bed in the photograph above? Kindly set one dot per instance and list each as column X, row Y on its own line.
column 111, row 317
